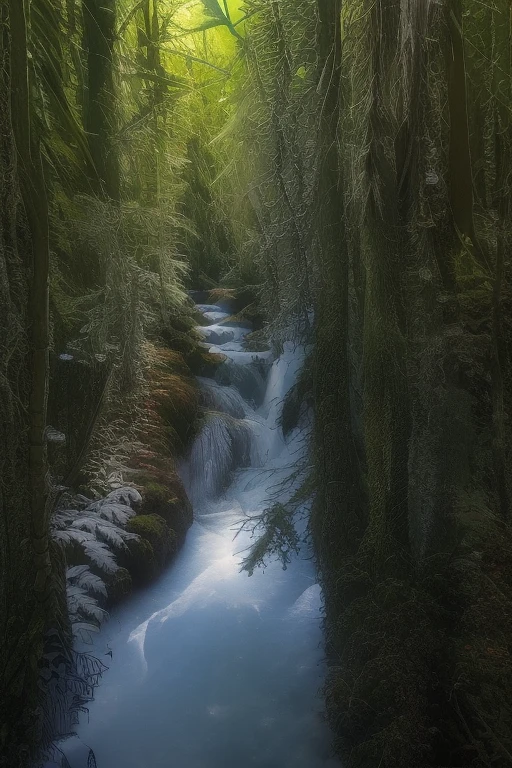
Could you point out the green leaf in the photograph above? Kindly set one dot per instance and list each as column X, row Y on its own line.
column 213, row 9
column 204, row 27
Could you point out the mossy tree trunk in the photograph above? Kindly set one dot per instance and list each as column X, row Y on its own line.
column 460, row 161
column 384, row 250
column 339, row 515
column 152, row 64
column 157, row 106
column 26, row 580
column 500, row 369
column 100, row 114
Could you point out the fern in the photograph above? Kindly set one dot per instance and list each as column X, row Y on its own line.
column 96, row 551
column 82, row 576
column 85, row 613
column 88, row 667
column 81, row 604
column 96, row 527
column 115, row 507
column 104, row 531
column 78, row 685
column 119, row 514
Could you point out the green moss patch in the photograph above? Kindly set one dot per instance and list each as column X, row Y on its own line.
column 149, row 554
column 176, row 510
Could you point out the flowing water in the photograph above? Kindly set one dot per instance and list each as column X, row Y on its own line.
column 210, row 667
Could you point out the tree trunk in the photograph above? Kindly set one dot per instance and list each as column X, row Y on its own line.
column 99, row 19
column 460, row 165
column 500, row 368
column 338, row 516
column 384, row 247
column 26, row 579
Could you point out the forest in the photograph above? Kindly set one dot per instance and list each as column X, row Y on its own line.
column 231, row 226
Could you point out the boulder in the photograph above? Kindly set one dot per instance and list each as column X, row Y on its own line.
column 169, row 503
column 151, row 552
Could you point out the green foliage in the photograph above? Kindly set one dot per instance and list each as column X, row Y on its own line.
column 277, row 538
column 58, row 122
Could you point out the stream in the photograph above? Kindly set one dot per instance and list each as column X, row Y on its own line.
column 210, row 667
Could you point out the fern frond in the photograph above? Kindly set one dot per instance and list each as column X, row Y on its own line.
column 82, row 576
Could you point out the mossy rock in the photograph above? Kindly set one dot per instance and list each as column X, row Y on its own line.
column 163, row 494
column 240, row 298
column 185, row 342
column 252, row 314
column 140, row 561
column 119, row 585
column 199, row 297
column 257, row 341
column 179, row 408
column 150, row 553
column 175, row 509
column 155, row 529
column 204, row 363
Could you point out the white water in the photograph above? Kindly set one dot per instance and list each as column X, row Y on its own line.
column 212, row 668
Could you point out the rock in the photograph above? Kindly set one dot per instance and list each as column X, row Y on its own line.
column 118, row 584
column 161, row 500
column 154, row 548
column 199, row 297
column 140, row 560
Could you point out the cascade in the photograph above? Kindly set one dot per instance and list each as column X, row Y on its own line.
column 212, row 668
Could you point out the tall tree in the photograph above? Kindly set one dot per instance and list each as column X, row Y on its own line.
column 26, row 579
column 340, row 505
column 100, row 114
